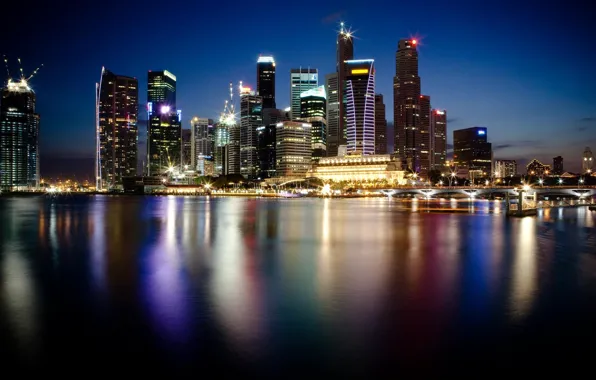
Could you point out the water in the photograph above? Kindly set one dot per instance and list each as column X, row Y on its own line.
column 354, row 287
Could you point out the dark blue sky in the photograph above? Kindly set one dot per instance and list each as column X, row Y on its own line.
column 525, row 70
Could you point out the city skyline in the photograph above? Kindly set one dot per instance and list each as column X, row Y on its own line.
column 465, row 72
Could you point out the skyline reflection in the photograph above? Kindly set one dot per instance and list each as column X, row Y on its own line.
column 270, row 281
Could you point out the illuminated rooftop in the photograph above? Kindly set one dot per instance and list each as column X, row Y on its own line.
column 265, row 59
column 317, row 91
column 19, row 86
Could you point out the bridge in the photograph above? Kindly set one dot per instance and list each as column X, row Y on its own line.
column 579, row 192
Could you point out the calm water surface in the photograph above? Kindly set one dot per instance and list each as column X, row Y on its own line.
column 302, row 287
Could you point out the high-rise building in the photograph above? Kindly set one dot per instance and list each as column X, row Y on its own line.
column 186, row 147
column 117, row 102
column 424, row 130
column 266, row 150
column 202, row 140
column 406, row 96
column 505, row 168
column 360, row 106
column 344, row 52
column 333, row 99
column 587, row 161
column 472, row 151
column 274, row 116
column 558, row 165
column 164, row 134
column 250, row 119
column 313, row 105
column 266, row 80
column 380, row 125
column 19, row 137
column 301, row 80
column 438, row 135
column 293, row 148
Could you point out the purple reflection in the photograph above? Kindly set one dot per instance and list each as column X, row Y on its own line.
column 97, row 244
column 163, row 281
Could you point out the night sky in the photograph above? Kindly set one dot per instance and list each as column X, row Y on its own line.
column 526, row 70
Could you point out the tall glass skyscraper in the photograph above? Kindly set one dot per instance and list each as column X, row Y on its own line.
column 19, row 132
column 333, row 99
column 301, row 79
column 164, row 134
column 266, row 80
column 438, row 122
column 201, row 140
column 380, row 125
column 118, row 108
column 313, row 111
column 360, row 106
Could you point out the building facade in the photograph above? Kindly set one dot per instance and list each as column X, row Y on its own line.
column 406, row 96
column 19, row 137
column 558, row 165
column 164, row 134
column 472, row 151
column 266, row 81
column 250, row 119
column 202, row 138
column 293, row 148
column 186, row 147
column 266, row 150
column 380, row 125
column 425, row 134
column 360, row 106
column 222, row 139
column 301, row 80
column 505, row 168
column 333, row 99
column 438, row 135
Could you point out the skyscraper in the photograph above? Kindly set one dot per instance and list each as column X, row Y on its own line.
column 505, row 168
column 360, row 106
column 313, row 111
column 344, row 52
column 266, row 80
column 202, row 136
column 406, row 96
column 424, row 130
column 438, row 127
column 472, row 151
column 164, row 134
column 250, row 119
column 302, row 79
column 222, row 139
column 333, row 98
column 19, row 133
column 118, row 108
column 380, row 126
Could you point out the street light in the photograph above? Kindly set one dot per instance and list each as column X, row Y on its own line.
column 561, row 181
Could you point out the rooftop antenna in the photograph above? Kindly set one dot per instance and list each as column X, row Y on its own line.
column 34, row 72
column 21, row 68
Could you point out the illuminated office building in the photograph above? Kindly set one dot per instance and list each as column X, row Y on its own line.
column 438, row 126
column 472, row 151
column 293, row 148
column 360, row 106
column 425, row 133
column 250, row 119
column 266, row 150
column 202, row 140
column 313, row 111
column 164, row 135
column 19, row 137
column 333, row 99
column 505, row 168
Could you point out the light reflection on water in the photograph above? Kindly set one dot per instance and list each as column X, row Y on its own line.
column 260, row 280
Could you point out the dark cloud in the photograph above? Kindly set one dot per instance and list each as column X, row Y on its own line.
column 333, row 17
column 517, row 144
column 582, row 128
column 452, row 120
column 588, row 119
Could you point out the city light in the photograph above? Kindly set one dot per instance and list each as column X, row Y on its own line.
column 414, row 42
column 165, row 109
